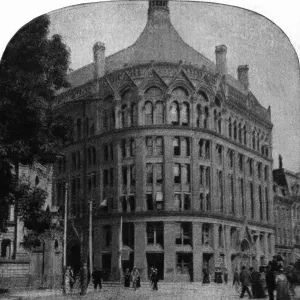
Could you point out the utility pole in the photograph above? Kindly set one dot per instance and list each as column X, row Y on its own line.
column 91, row 236
column 65, row 237
column 84, row 248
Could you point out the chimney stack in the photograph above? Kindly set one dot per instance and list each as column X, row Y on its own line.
column 243, row 76
column 221, row 61
column 99, row 60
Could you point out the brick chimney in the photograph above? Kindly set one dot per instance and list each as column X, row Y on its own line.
column 221, row 62
column 99, row 59
column 243, row 76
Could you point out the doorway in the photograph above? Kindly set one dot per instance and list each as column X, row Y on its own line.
column 156, row 260
column 106, row 266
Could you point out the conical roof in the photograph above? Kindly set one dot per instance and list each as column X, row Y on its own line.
column 158, row 42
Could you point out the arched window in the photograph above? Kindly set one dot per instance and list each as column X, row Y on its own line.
column 218, row 101
column 206, row 117
column 234, row 130
column 253, row 140
column 257, row 144
column 174, row 110
column 123, row 123
column 215, row 120
column 245, row 135
column 133, row 114
column 148, row 113
column 230, row 128
column 240, row 133
column 185, row 114
column 112, row 119
column 219, row 123
column 153, row 92
column 159, row 113
column 202, row 96
column 78, row 129
column 198, row 117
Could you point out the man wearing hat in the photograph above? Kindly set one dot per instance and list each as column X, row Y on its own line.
column 135, row 277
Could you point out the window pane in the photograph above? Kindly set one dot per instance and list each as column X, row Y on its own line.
column 159, row 113
column 149, row 170
column 149, row 201
column 148, row 113
column 149, row 144
column 159, row 146
column 185, row 114
column 174, row 110
column 177, row 201
column 159, row 174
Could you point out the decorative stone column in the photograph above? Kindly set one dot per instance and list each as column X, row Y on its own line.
column 140, row 150
column 140, row 249
column 216, row 243
column 195, row 175
column 170, row 252
column 197, row 251
column 228, row 251
column 115, row 271
column 168, row 173
column 140, row 111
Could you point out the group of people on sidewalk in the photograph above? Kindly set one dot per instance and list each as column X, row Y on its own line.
column 134, row 277
column 259, row 284
column 73, row 281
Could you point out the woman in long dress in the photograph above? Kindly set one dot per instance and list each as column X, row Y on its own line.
column 127, row 278
column 282, row 286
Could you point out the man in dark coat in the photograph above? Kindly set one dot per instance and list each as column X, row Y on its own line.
column 246, row 280
column 97, row 278
column 154, row 279
column 270, row 281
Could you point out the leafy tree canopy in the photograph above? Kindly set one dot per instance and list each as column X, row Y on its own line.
column 33, row 68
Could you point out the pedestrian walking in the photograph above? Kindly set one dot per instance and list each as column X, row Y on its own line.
column 225, row 275
column 282, row 286
column 135, row 277
column 236, row 277
column 154, row 279
column 97, row 278
column 150, row 275
column 70, row 278
column 205, row 276
column 127, row 278
column 245, row 279
column 257, row 287
column 270, row 281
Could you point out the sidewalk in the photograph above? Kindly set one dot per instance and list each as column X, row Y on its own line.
column 115, row 291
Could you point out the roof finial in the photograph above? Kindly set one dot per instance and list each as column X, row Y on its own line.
column 158, row 5
column 280, row 161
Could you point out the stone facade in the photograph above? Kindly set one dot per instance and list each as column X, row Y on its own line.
column 42, row 265
column 178, row 158
column 287, row 213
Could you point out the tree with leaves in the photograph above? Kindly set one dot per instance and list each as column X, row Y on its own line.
column 33, row 70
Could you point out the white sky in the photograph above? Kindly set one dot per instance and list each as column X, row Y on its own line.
column 250, row 38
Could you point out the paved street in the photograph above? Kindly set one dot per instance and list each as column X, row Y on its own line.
column 167, row 291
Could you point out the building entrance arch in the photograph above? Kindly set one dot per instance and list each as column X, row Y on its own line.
column 245, row 253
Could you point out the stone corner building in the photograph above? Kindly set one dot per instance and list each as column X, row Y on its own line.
column 178, row 160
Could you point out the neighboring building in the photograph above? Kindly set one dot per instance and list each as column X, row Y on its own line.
column 42, row 265
column 287, row 213
column 178, row 160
